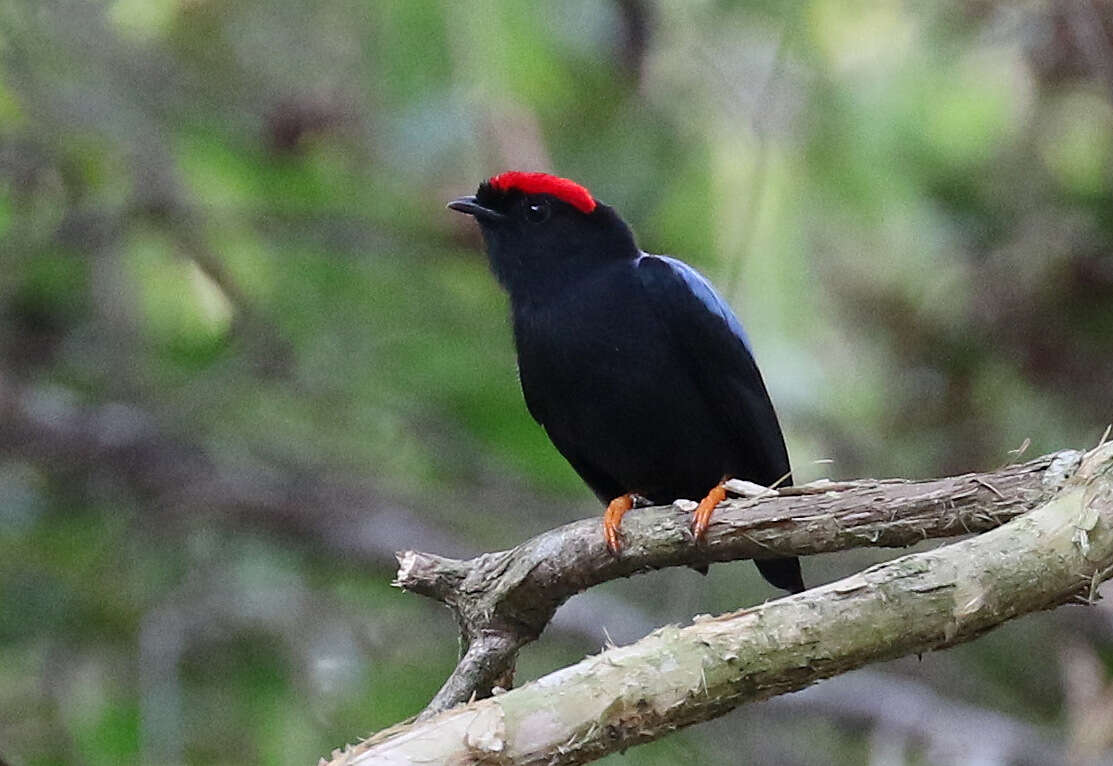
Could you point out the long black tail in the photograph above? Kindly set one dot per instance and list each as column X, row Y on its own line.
column 782, row 573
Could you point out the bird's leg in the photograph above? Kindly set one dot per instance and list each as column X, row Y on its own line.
column 616, row 509
column 701, row 517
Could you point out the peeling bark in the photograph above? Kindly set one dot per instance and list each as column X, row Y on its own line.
column 1056, row 554
column 504, row 600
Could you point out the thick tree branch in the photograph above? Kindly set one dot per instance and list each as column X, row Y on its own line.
column 674, row 677
column 504, row 600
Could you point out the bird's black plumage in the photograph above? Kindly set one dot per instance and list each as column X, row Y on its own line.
column 639, row 372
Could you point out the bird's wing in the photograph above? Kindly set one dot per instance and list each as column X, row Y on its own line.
column 710, row 339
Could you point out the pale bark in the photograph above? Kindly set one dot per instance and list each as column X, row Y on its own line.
column 504, row 600
column 674, row 677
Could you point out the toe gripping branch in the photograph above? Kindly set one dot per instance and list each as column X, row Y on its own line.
column 701, row 517
column 617, row 508
column 612, row 520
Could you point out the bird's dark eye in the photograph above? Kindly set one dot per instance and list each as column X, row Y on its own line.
column 537, row 212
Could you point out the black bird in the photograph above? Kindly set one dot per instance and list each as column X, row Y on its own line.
column 639, row 372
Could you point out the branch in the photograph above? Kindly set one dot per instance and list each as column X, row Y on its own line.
column 504, row 600
column 1056, row 554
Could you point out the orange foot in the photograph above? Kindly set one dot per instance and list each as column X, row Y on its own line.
column 616, row 509
column 701, row 517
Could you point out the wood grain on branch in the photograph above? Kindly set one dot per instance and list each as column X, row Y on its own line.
column 504, row 600
column 674, row 677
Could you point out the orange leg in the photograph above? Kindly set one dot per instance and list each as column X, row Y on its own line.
column 701, row 517
column 616, row 509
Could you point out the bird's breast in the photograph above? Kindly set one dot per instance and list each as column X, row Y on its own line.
column 599, row 364
column 588, row 337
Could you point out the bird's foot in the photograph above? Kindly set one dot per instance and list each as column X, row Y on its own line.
column 701, row 517
column 612, row 519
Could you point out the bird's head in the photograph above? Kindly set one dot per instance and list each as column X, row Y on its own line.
column 542, row 230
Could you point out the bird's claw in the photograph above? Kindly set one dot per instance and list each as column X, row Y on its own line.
column 612, row 521
column 701, row 517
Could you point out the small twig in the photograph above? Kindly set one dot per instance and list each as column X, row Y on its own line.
column 1104, row 436
column 1019, row 451
column 989, row 486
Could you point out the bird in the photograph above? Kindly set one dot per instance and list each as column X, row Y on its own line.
column 637, row 369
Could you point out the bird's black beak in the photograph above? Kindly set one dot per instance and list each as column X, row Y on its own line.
column 470, row 206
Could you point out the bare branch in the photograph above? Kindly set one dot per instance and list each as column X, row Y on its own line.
column 504, row 600
column 679, row 676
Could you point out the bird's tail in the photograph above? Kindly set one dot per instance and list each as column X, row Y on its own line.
column 782, row 573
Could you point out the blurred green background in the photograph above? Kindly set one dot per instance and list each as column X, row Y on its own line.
column 246, row 354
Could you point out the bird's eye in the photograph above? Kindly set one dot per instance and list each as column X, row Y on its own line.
column 538, row 212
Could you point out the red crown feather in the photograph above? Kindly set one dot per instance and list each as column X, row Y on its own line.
column 543, row 183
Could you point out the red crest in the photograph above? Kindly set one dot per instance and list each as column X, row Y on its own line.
column 543, row 183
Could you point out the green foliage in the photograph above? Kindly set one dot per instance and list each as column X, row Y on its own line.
column 227, row 268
